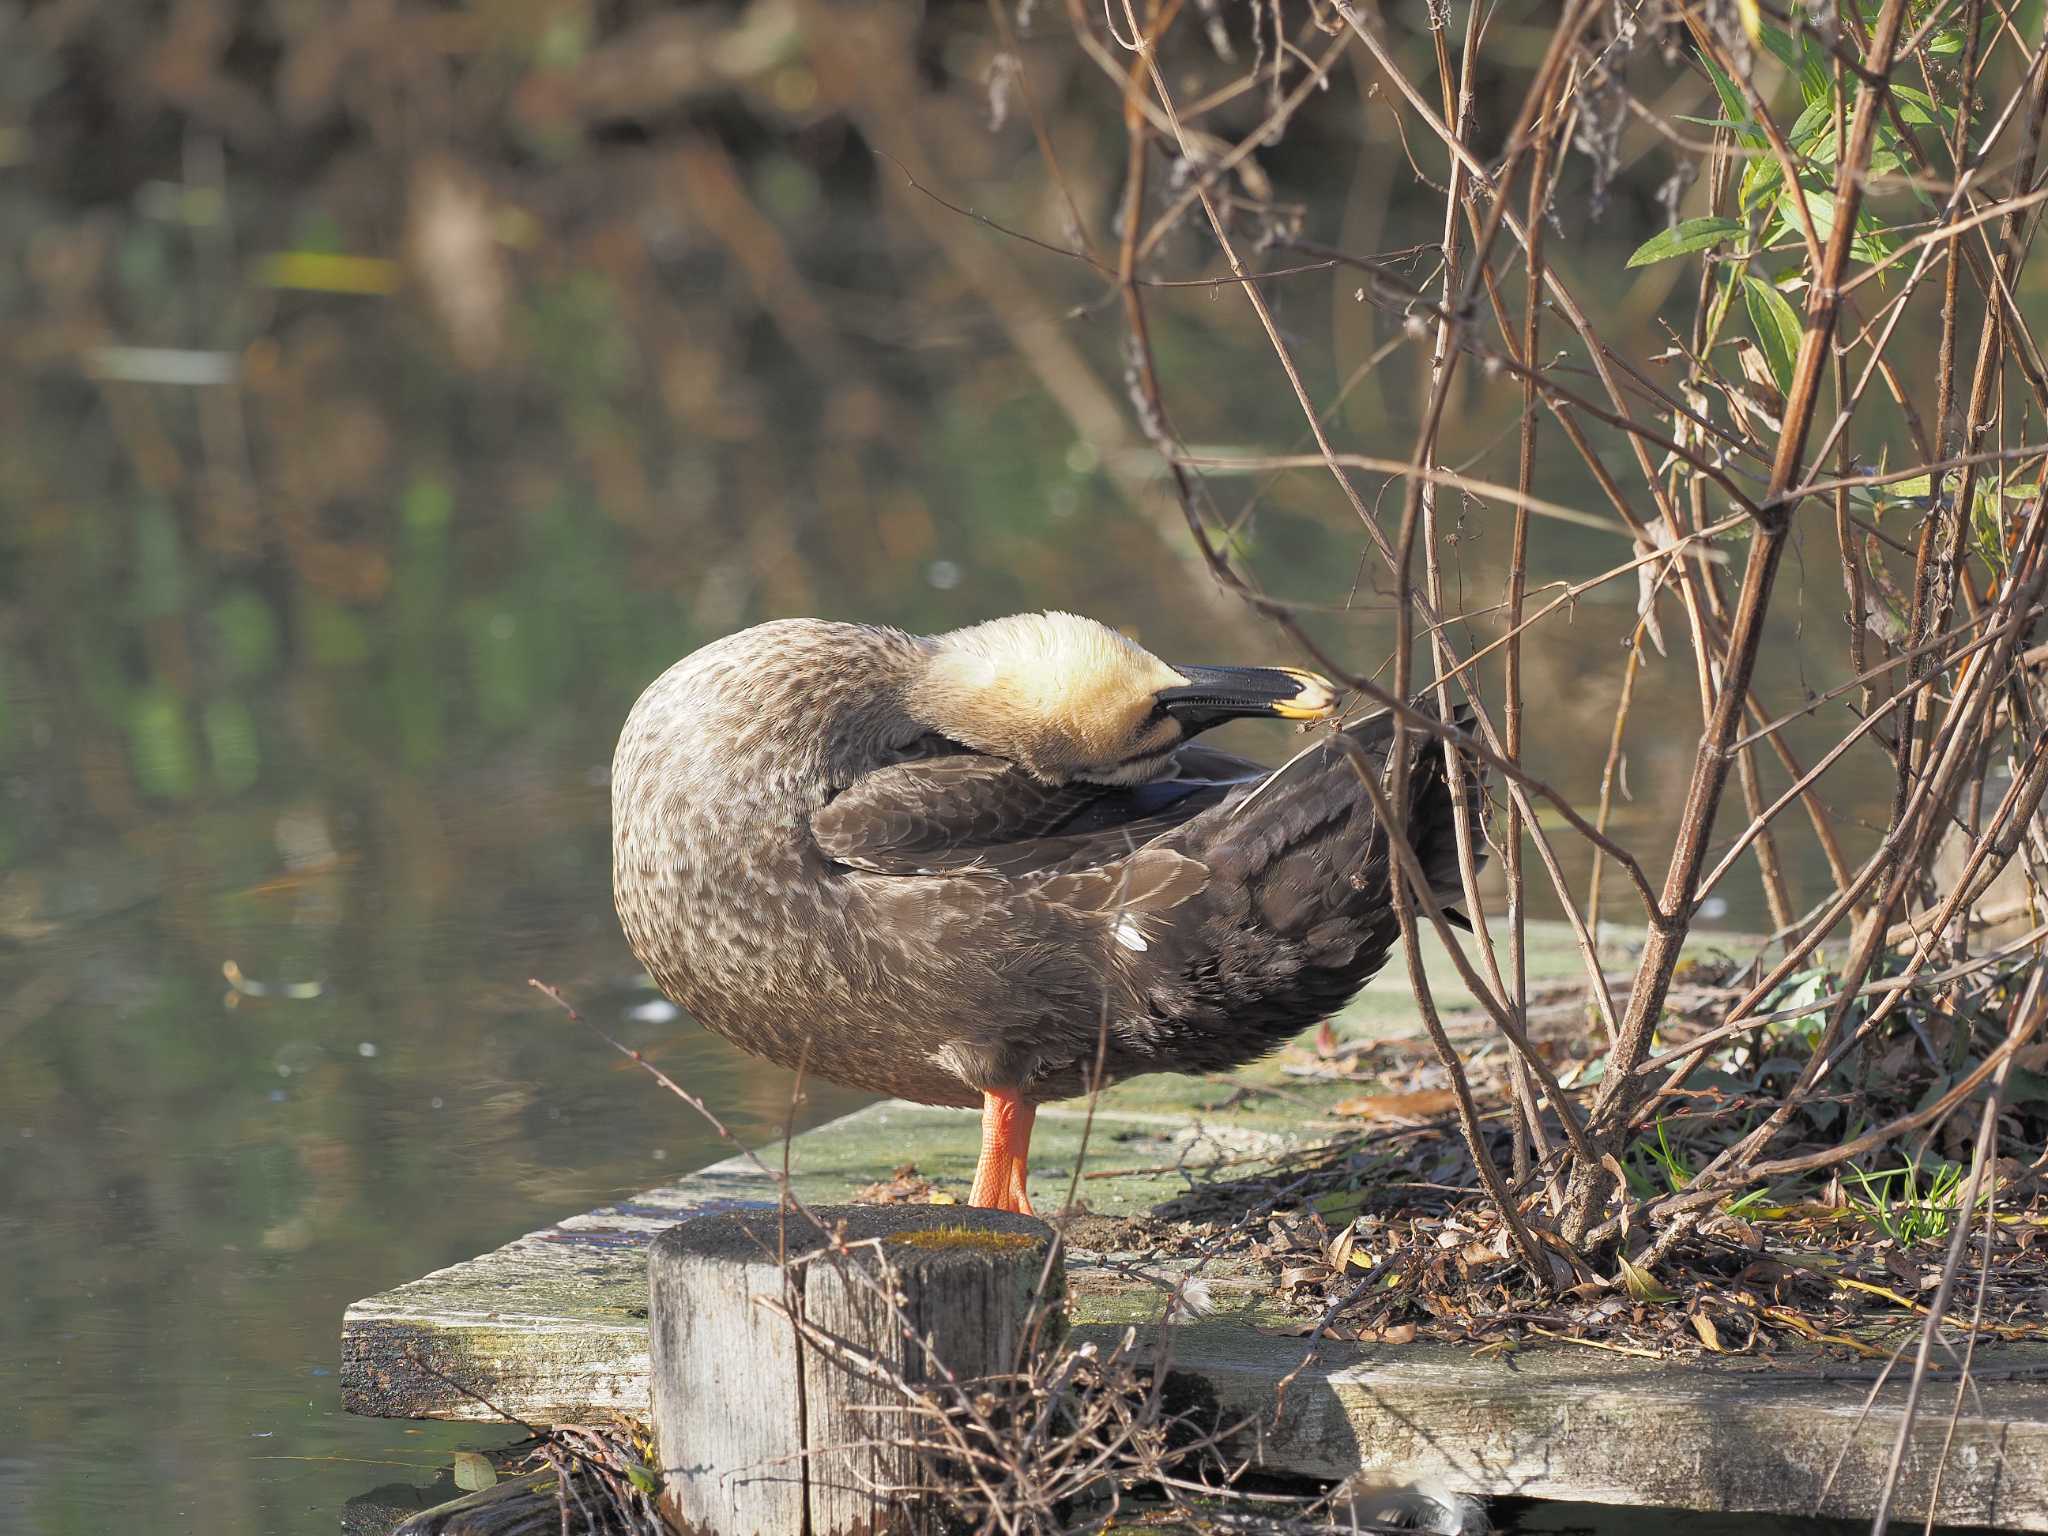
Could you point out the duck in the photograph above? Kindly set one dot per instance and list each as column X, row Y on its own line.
column 994, row 868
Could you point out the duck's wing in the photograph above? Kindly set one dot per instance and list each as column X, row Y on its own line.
column 964, row 812
column 934, row 814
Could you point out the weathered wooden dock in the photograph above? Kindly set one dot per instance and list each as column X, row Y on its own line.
column 553, row 1328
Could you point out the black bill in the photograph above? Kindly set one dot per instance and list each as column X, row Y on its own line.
column 1216, row 694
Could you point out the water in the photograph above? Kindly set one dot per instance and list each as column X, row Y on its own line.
column 197, row 1182
column 323, row 590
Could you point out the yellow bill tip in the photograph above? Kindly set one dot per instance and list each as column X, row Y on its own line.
column 1317, row 699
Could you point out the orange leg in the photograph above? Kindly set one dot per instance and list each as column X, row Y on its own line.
column 1005, row 1146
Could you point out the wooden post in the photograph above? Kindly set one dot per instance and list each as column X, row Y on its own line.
column 778, row 1340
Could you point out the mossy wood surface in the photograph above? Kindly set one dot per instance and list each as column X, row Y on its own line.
column 552, row 1328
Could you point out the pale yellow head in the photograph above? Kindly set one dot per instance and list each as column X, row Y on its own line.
column 1069, row 698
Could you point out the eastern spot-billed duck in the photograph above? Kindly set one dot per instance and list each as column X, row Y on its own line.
column 964, row 869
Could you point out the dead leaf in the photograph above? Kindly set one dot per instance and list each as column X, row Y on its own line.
column 1339, row 1252
column 906, row 1186
column 1419, row 1105
column 1608, row 1162
column 1710, row 1336
column 1735, row 1230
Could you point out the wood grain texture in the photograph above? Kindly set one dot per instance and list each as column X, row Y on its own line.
column 726, row 1387
column 1733, row 1437
column 967, row 1298
column 762, row 1426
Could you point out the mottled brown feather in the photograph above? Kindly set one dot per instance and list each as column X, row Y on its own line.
column 808, row 858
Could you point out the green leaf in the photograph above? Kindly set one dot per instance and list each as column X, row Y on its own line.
column 474, row 1473
column 1737, row 108
column 1641, row 1285
column 1776, row 324
column 1799, row 991
column 1760, row 182
column 1920, row 109
column 1804, row 59
column 1886, row 157
column 1688, row 235
column 1813, row 131
column 1869, row 244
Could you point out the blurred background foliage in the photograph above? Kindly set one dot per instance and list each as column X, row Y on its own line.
column 391, row 390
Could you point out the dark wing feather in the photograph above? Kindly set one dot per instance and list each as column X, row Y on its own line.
column 1198, row 760
column 935, row 813
column 965, row 812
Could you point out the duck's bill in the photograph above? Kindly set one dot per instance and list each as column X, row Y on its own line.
column 1216, row 694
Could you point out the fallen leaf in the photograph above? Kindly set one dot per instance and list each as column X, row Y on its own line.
column 905, row 1186
column 1710, row 1336
column 1735, row 1230
column 1419, row 1105
column 1642, row 1285
column 474, row 1473
column 1339, row 1253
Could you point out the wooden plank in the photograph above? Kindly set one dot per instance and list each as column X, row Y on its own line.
column 553, row 1325
column 1600, row 1428
column 553, row 1328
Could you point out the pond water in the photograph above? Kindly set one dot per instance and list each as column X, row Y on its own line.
column 325, row 582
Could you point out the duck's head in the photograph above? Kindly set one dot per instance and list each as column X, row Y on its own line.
column 1069, row 698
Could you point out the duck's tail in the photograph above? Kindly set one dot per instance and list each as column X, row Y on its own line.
column 1432, row 801
column 1295, row 914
